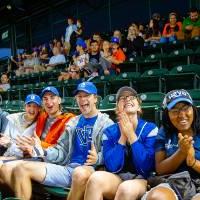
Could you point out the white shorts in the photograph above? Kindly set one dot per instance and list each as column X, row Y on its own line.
column 59, row 176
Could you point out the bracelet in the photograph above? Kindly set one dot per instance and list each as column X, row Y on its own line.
column 193, row 163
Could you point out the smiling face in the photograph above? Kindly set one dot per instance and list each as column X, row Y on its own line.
column 87, row 103
column 32, row 110
column 128, row 103
column 51, row 104
column 182, row 116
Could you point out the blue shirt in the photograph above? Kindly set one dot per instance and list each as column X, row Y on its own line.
column 83, row 139
column 140, row 154
column 169, row 144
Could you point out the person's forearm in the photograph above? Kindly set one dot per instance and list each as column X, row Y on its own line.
column 171, row 164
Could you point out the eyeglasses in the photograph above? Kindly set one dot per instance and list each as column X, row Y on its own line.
column 176, row 111
column 124, row 98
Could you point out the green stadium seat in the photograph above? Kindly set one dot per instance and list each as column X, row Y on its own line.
column 123, row 79
column 195, row 94
column 179, row 57
column 38, row 87
column 193, row 43
column 57, row 191
column 183, row 76
column 14, row 93
column 151, row 106
column 15, row 106
column 108, row 105
column 68, row 103
column 152, row 81
column 103, row 84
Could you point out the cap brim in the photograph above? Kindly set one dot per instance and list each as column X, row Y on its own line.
column 174, row 102
column 82, row 90
column 32, row 102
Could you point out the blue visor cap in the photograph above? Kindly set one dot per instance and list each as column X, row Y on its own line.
column 87, row 87
column 33, row 98
column 175, row 96
column 50, row 89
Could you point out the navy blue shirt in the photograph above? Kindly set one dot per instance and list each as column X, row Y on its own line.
column 83, row 139
column 169, row 144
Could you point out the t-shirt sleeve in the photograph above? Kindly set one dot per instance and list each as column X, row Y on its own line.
column 160, row 140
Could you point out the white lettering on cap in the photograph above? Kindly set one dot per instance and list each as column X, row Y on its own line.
column 32, row 97
column 177, row 94
column 82, row 85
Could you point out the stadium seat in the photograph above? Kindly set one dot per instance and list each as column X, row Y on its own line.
column 57, row 191
column 151, row 106
column 195, row 94
column 179, row 57
column 152, row 81
column 183, row 76
column 14, row 93
column 193, row 43
column 15, row 106
column 103, row 84
column 126, row 78
column 108, row 105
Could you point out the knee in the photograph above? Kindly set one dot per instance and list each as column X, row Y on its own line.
column 18, row 171
column 96, row 180
column 124, row 190
column 80, row 176
column 161, row 193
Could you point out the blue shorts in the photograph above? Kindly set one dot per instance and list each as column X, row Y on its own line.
column 59, row 176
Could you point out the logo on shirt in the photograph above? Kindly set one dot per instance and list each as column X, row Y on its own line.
column 84, row 134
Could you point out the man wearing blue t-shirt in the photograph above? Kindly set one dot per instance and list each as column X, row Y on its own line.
column 82, row 142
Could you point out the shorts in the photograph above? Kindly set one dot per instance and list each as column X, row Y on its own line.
column 166, row 185
column 59, row 176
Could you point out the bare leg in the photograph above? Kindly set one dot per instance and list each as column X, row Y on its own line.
column 102, row 185
column 196, row 197
column 79, row 181
column 131, row 190
column 22, row 176
column 6, row 171
column 161, row 193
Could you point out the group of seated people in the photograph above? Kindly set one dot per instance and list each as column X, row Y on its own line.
column 100, row 55
column 97, row 158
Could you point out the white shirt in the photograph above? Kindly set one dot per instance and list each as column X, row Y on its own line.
column 60, row 58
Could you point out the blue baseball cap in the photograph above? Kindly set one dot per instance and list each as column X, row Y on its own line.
column 81, row 43
column 33, row 98
column 50, row 89
column 87, row 87
column 175, row 96
column 115, row 40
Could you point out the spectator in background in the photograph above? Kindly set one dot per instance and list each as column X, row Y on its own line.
column 96, row 36
column 118, row 34
column 81, row 57
column 5, row 85
column 173, row 30
column 69, row 30
column 55, row 60
column 78, row 33
column 157, row 17
column 116, row 58
column 73, row 72
column 94, row 58
column 17, row 63
column 153, row 33
column 133, row 43
column 191, row 24
column 43, row 55
column 106, row 56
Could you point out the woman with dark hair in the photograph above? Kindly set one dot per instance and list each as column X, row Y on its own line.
column 177, row 146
